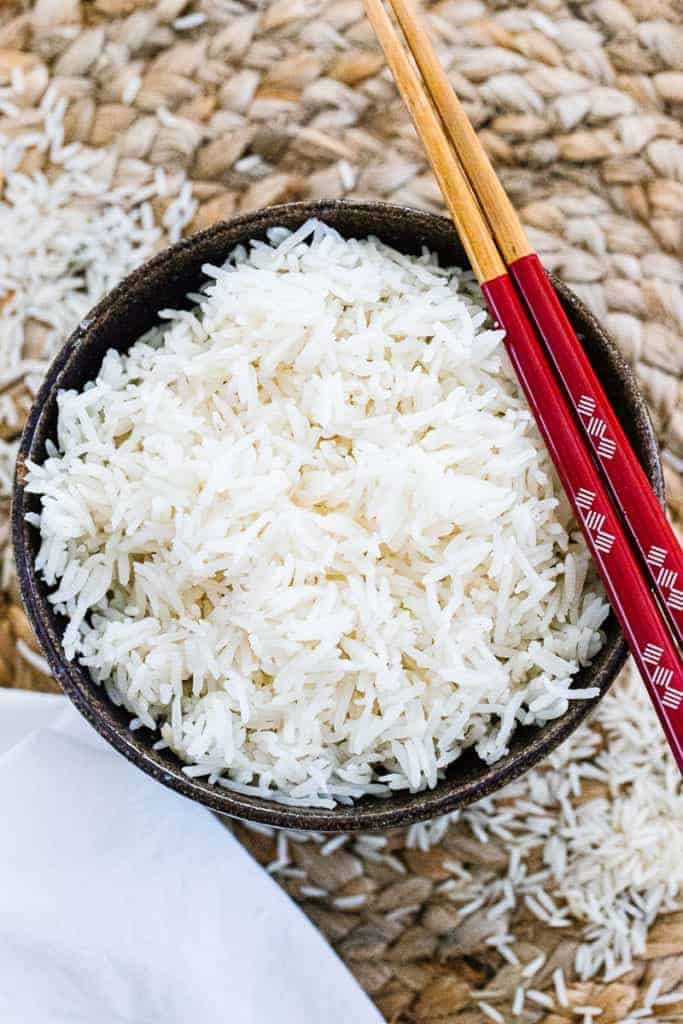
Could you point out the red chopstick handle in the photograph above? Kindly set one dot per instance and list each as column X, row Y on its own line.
column 634, row 605
column 645, row 519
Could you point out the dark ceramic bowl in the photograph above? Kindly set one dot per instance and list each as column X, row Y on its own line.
column 117, row 322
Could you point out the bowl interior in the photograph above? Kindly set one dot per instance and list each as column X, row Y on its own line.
column 117, row 322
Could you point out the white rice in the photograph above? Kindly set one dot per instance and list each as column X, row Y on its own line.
column 308, row 530
column 518, row 1001
column 492, row 1013
column 560, row 987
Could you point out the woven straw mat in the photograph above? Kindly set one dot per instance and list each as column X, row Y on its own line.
column 579, row 104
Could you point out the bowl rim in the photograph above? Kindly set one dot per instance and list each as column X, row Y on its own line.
column 370, row 814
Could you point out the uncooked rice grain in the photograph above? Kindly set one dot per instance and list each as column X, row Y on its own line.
column 492, row 1013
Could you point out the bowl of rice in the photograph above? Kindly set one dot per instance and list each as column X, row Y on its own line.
column 288, row 535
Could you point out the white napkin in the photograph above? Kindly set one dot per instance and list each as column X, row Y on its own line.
column 121, row 902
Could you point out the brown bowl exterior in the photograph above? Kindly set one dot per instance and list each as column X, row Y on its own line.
column 116, row 322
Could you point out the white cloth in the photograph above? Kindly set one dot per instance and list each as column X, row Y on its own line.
column 121, row 902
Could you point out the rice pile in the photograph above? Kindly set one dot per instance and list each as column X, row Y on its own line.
column 75, row 234
column 309, row 531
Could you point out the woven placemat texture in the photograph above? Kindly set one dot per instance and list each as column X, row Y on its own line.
column 579, row 104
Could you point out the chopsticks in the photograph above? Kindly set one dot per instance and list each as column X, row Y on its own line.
column 492, row 251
